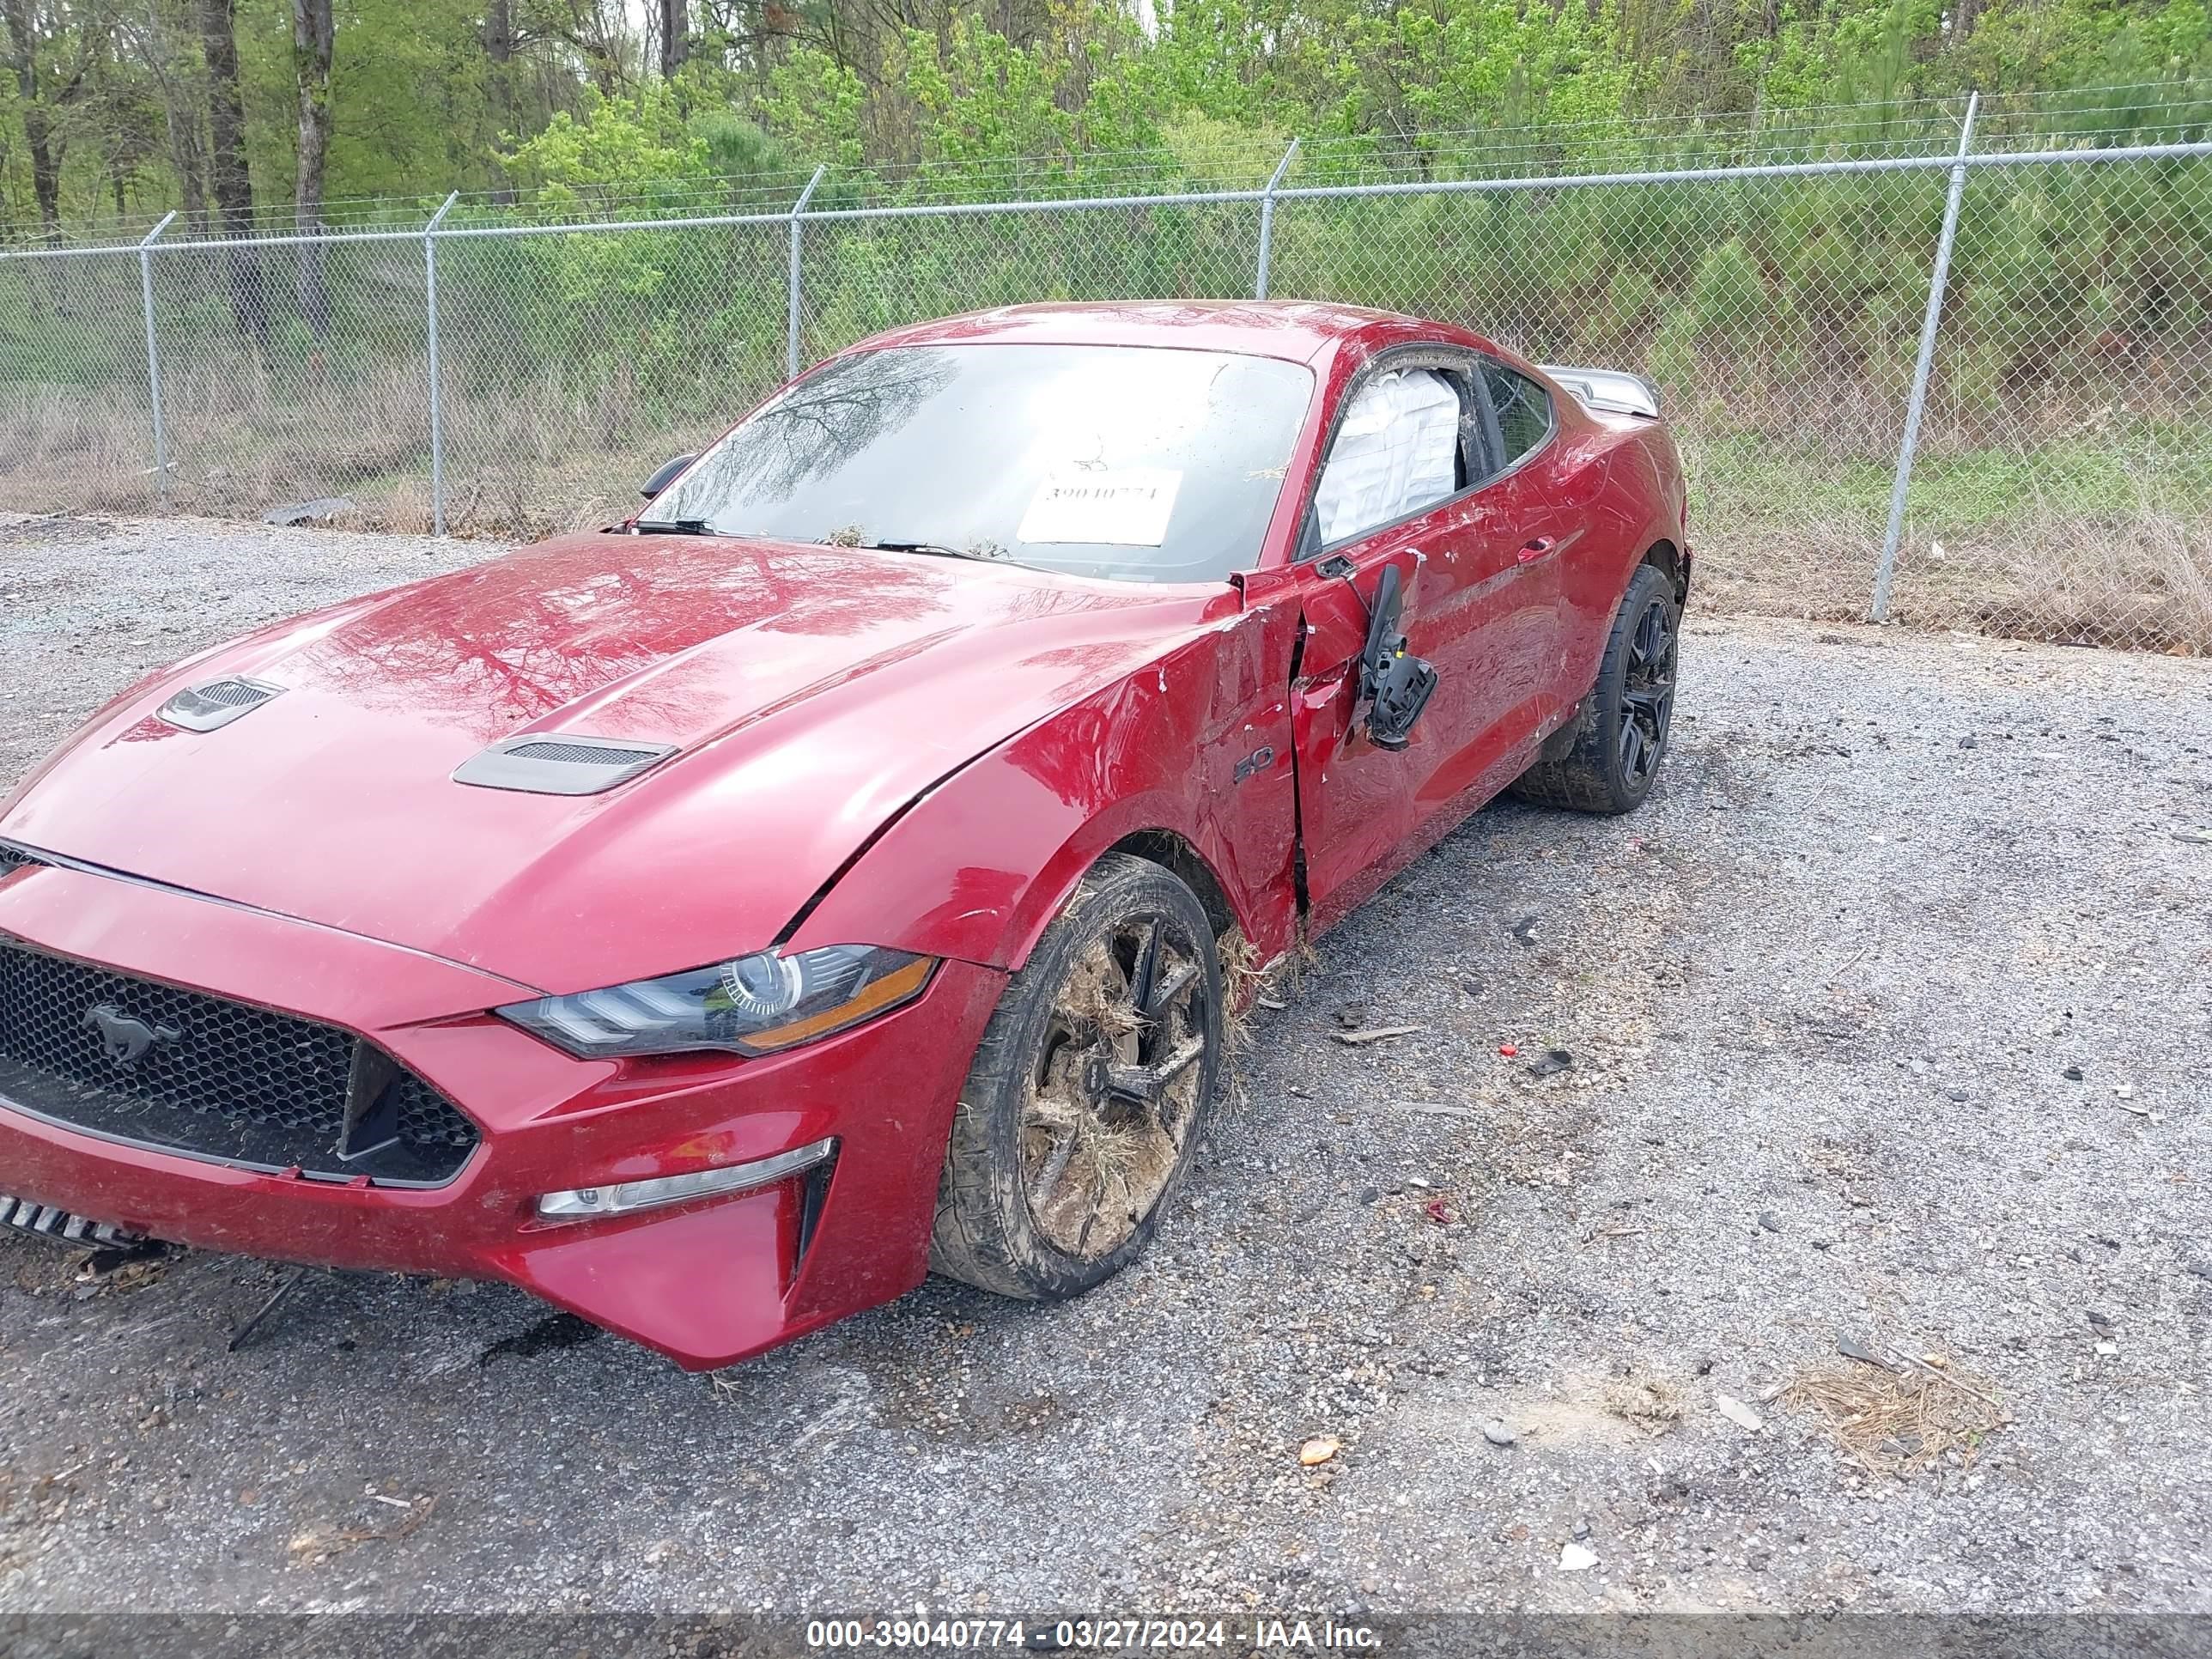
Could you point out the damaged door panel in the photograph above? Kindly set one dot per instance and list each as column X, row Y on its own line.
column 1470, row 610
column 1251, row 778
column 1356, row 801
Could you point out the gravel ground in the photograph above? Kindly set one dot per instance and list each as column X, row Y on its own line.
column 1826, row 1000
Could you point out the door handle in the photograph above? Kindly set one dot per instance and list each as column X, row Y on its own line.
column 1532, row 550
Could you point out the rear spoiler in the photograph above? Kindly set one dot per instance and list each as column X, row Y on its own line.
column 1611, row 389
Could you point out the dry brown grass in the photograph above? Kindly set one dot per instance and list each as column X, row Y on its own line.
column 1100, row 995
column 1242, row 977
column 1899, row 1421
column 516, row 469
column 2138, row 581
column 1114, row 1167
column 1243, row 981
column 1650, row 1403
column 319, row 1544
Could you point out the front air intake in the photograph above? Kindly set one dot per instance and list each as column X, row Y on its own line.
column 217, row 702
column 560, row 766
column 26, row 1216
column 13, row 859
column 197, row 1075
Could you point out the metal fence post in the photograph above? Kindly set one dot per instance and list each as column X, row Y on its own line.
column 1267, row 220
column 437, row 398
column 1879, row 612
column 791, row 332
column 154, row 360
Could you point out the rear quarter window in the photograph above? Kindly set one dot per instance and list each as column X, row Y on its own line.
column 1524, row 410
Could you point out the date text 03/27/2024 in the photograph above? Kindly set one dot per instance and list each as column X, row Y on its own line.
column 1107, row 1635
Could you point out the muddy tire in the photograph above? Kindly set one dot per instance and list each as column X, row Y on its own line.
column 1094, row 1078
column 1607, row 758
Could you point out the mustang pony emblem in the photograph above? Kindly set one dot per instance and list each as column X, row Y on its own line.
column 124, row 1041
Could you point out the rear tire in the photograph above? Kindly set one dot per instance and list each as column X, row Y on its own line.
column 1607, row 758
column 1087, row 1095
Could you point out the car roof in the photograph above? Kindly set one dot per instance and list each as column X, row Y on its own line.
column 1296, row 330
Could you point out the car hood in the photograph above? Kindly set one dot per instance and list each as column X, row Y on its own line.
column 811, row 693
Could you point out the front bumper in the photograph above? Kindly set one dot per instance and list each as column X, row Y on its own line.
column 707, row 1283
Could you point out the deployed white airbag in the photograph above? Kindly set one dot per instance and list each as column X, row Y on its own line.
column 1396, row 450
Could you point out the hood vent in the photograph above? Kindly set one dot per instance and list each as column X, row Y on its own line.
column 560, row 765
column 217, row 702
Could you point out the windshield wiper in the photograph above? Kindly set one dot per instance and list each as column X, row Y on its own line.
column 671, row 527
column 936, row 549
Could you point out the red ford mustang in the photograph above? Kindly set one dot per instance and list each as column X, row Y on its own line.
column 712, row 924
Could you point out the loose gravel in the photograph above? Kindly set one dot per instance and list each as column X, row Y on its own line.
column 1823, row 1005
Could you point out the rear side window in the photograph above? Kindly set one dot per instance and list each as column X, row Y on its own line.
column 1524, row 410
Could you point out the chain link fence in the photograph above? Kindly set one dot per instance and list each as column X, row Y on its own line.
column 1961, row 384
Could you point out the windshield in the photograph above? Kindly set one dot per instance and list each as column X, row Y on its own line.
column 1136, row 463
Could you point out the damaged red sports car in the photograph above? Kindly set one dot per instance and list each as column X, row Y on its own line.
column 712, row 924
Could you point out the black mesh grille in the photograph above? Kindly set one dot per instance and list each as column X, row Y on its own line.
column 11, row 860
column 232, row 694
column 581, row 753
column 428, row 1119
column 145, row 1061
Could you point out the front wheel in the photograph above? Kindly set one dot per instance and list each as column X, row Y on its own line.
column 1083, row 1107
column 1619, row 735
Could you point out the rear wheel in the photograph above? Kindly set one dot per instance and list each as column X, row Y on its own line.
column 1081, row 1112
column 1607, row 757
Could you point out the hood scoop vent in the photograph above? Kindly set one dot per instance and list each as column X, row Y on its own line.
column 560, row 765
column 217, row 702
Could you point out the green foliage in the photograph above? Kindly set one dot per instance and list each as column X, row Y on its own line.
column 1633, row 299
column 1206, row 148
column 737, row 148
column 620, row 151
column 979, row 99
column 1728, row 301
column 816, row 105
column 420, row 106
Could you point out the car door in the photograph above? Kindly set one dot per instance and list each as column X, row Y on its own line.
column 1392, row 490
column 1502, row 584
column 1476, row 608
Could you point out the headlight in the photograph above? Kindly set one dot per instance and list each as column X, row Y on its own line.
column 754, row 1005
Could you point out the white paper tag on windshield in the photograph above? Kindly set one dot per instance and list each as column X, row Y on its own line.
column 1120, row 507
